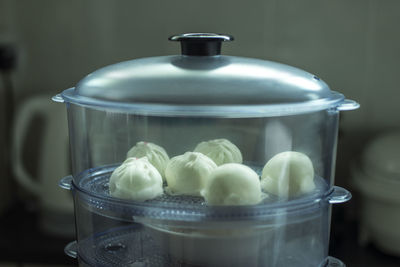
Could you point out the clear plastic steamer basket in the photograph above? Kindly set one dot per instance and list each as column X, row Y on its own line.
column 264, row 108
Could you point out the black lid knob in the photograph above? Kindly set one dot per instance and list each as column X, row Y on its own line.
column 201, row 44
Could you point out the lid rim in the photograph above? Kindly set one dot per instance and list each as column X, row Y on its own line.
column 227, row 111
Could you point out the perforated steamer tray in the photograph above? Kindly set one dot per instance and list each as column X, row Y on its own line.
column 94, row 192
column 182, row 219
column 129, row 246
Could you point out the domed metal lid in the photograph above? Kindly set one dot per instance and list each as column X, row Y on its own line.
column 201, row 82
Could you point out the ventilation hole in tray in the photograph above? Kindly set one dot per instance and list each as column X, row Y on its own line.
column 106, row 187
column 112, row 248
column 139, row 263
column 178, row 199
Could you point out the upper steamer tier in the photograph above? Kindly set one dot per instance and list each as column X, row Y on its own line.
column 269, row 113
column 201, row 82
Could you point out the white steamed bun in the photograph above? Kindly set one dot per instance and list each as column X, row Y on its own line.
column 187, row 174
column 233, row 184
column 221, row 151
column 156, row 155
column 136, row 179
column 288, row 174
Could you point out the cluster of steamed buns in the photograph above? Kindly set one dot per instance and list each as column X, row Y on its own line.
column 214, row 170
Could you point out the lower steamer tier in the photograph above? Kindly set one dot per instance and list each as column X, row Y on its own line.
column 182, row 231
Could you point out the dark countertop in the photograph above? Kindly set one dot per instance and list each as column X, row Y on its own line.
column 344, row 244
column 22, row 242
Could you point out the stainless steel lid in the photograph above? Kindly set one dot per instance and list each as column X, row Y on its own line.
column 201, row 82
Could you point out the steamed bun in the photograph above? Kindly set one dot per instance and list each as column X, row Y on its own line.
column 288, row 174
column 156, row 155
column 187, row 174
column 136, row 179
column 221, row 151
column 233, row 184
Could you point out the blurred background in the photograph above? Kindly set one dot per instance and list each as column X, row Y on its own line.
column 49, row 45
